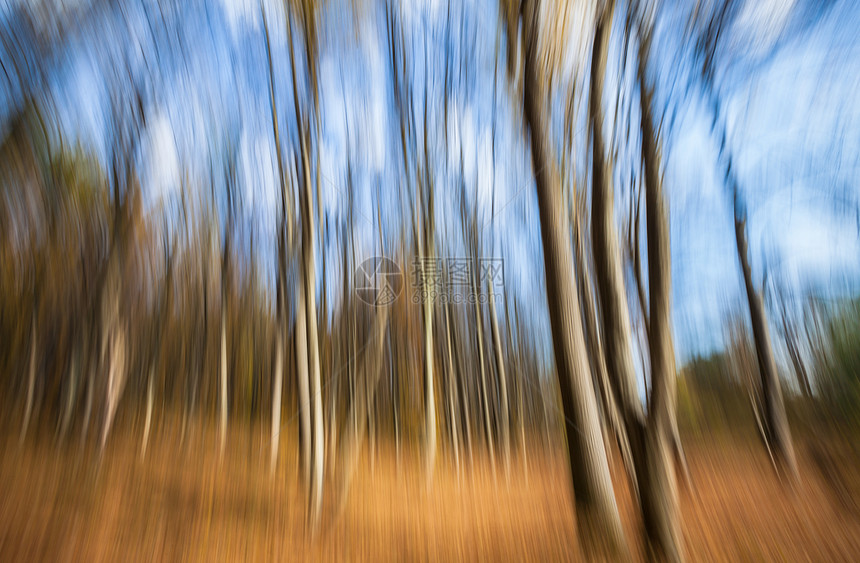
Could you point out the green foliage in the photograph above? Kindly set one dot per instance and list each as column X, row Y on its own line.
column 711, row 397
column 840, row 381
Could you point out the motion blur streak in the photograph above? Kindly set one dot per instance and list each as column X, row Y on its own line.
column 414, row 280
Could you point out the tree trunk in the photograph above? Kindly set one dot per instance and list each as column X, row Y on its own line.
column 276, row 394
column 309, row 273
column 88, row 403
column 453, row 403
column 113, row 343
column 223, row 393
column 116, row 376
column 598, row 521
column 147, row 424
column 657, row 481
column 611, row 292
column 31, row 379
column 285, row 230
column 304, row 406
column 429, row 393
column 485, row 398
column 775, row 421
column 504, row 415
column 72, row 393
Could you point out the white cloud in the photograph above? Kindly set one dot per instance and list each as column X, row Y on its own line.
column 259, row 176
column 164, row 163
column 241, row 14
column 761, row 22
column 416, row 9
column 476, row 143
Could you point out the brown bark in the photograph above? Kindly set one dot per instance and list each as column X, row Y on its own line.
column 616, row 332
column 657, row 480
column 504, row 414
column 598, row 522
column 775, row 422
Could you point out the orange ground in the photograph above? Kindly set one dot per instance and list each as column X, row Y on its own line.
column 182, row 504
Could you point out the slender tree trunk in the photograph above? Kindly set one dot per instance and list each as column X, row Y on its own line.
column 309, row 273
column 504, row 405
column 522, row 416
column 452, row 391
column 800, row 370
column 31, row 379
column 598, row 521
column 88, row 403
column 429, row 393
column 72, row 394
column 285, row 230
column 276, row 395
column 116, row 376
column 147, row 424
column 464, row 393
column 777, row 435
column 520, row 388
column 304, row 406
column 776, row 427
column 223, row 393
column 485, row 397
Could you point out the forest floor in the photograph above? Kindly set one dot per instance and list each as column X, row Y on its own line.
column 183, row 503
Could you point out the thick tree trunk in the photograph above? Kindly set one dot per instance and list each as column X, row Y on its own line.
column 611, row 292
column 611, row 416
column 598, row 521
column 657, row 480
column 317, row 447
column 775, row 421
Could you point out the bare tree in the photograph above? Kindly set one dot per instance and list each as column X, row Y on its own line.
column 598, row 520
column 714, row 24
column 775, row 423
column 658, row 489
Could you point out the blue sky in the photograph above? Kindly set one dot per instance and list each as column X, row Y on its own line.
column 790, row 108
